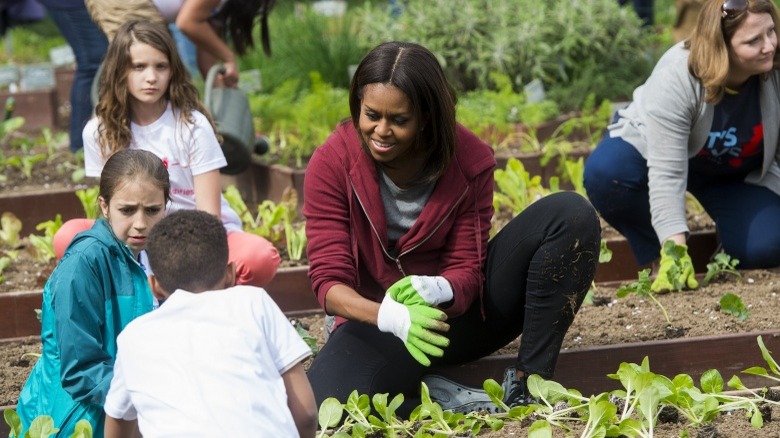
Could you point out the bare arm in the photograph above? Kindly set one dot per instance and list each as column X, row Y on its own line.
column 208, row 191
column 116, row 428
column 193, row 20
column 300, row 400
column 344, row 301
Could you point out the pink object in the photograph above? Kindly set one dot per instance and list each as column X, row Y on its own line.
column 256, row 258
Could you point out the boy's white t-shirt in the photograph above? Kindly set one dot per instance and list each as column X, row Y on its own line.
column 207, row 364
column 186, row 149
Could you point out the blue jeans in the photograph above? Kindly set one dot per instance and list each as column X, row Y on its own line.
column 89, row 46
column 746, row 215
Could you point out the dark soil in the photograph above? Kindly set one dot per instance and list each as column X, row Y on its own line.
column 54, row 172
column 614, row 321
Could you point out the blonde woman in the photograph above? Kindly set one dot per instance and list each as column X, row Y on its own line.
column 705, row 121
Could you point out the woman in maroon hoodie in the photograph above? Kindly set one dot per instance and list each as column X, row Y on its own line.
column 398, row 203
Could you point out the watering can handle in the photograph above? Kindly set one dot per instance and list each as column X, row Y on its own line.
column 213, row 72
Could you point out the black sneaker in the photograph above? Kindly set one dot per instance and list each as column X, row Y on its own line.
column 458, row 398
column 516, row 390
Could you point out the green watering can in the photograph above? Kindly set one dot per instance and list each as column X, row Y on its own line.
column 229, row 107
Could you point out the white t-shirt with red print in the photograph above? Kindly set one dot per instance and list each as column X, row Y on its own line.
column 186, row 149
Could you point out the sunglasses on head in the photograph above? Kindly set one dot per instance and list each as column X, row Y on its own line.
column 732, row 8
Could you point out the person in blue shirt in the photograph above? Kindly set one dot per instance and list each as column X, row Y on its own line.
column 707, row 122
column 98, row 287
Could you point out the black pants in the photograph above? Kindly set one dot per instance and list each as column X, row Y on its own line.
column 538, row 270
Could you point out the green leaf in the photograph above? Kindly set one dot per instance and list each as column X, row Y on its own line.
column 712, row 382
column 766, row 354
column 14, row 422
column 83, row 429
column 42, row 427
column 540, row 429
column 732, row 304
column 330, row 413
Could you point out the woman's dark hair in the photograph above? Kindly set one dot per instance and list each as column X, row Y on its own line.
column 132, row 165
column 415, row 71
column 237, row 18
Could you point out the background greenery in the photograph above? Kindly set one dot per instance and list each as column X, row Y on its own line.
column 583, row 51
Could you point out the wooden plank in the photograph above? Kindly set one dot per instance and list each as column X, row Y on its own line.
column 586, row 369
column 35, row 207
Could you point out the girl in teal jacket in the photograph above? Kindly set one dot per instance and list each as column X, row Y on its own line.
column 98, row 287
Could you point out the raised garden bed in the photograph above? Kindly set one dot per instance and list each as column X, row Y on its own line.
column 34, row 207
column 627, row 329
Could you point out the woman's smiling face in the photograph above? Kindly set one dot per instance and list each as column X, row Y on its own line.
column 388, row 125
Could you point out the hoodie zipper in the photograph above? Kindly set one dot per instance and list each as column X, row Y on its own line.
column 397, row 260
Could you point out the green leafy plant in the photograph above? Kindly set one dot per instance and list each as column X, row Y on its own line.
column 25, row 163
column 295, row 236
column 4, row 263
column 43, row 246
column 575, row 171
column 305, row 42
column 517, row 189
column 732, row 304
column 303, row 332
column 7, row 127
column 42, row 426
column 631, row 411
column 89, row 201
column 297, row 121
column 271, row 217
column 590, row 47
column 10, row 227
column 641, row 287
column 722, row 265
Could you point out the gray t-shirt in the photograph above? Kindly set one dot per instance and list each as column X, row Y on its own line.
column 402, row 206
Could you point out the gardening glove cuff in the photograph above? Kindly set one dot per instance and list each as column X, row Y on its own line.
column 394, row 318
column 674, row 276
column 414, row 325
column 421, row 289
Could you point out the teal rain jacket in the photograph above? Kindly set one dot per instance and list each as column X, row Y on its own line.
column 95, row 291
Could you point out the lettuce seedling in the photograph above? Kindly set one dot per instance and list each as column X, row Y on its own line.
column 89, row 201
column 732, row 304
column 641, row 287
column 44, row 245
column 10, row 227
column 722, row 264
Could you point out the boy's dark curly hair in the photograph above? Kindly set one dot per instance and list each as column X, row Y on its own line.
column 188, row 250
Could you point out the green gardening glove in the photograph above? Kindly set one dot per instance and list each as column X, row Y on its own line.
column 416, row 325
column 676, row 270
column 421, row 289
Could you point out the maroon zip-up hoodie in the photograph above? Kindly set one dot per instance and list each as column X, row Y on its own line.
column 346, row 223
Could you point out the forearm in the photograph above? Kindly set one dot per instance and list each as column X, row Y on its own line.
column 208, row 195
column 346, row 302
column 193, row 21
column 301, row 401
